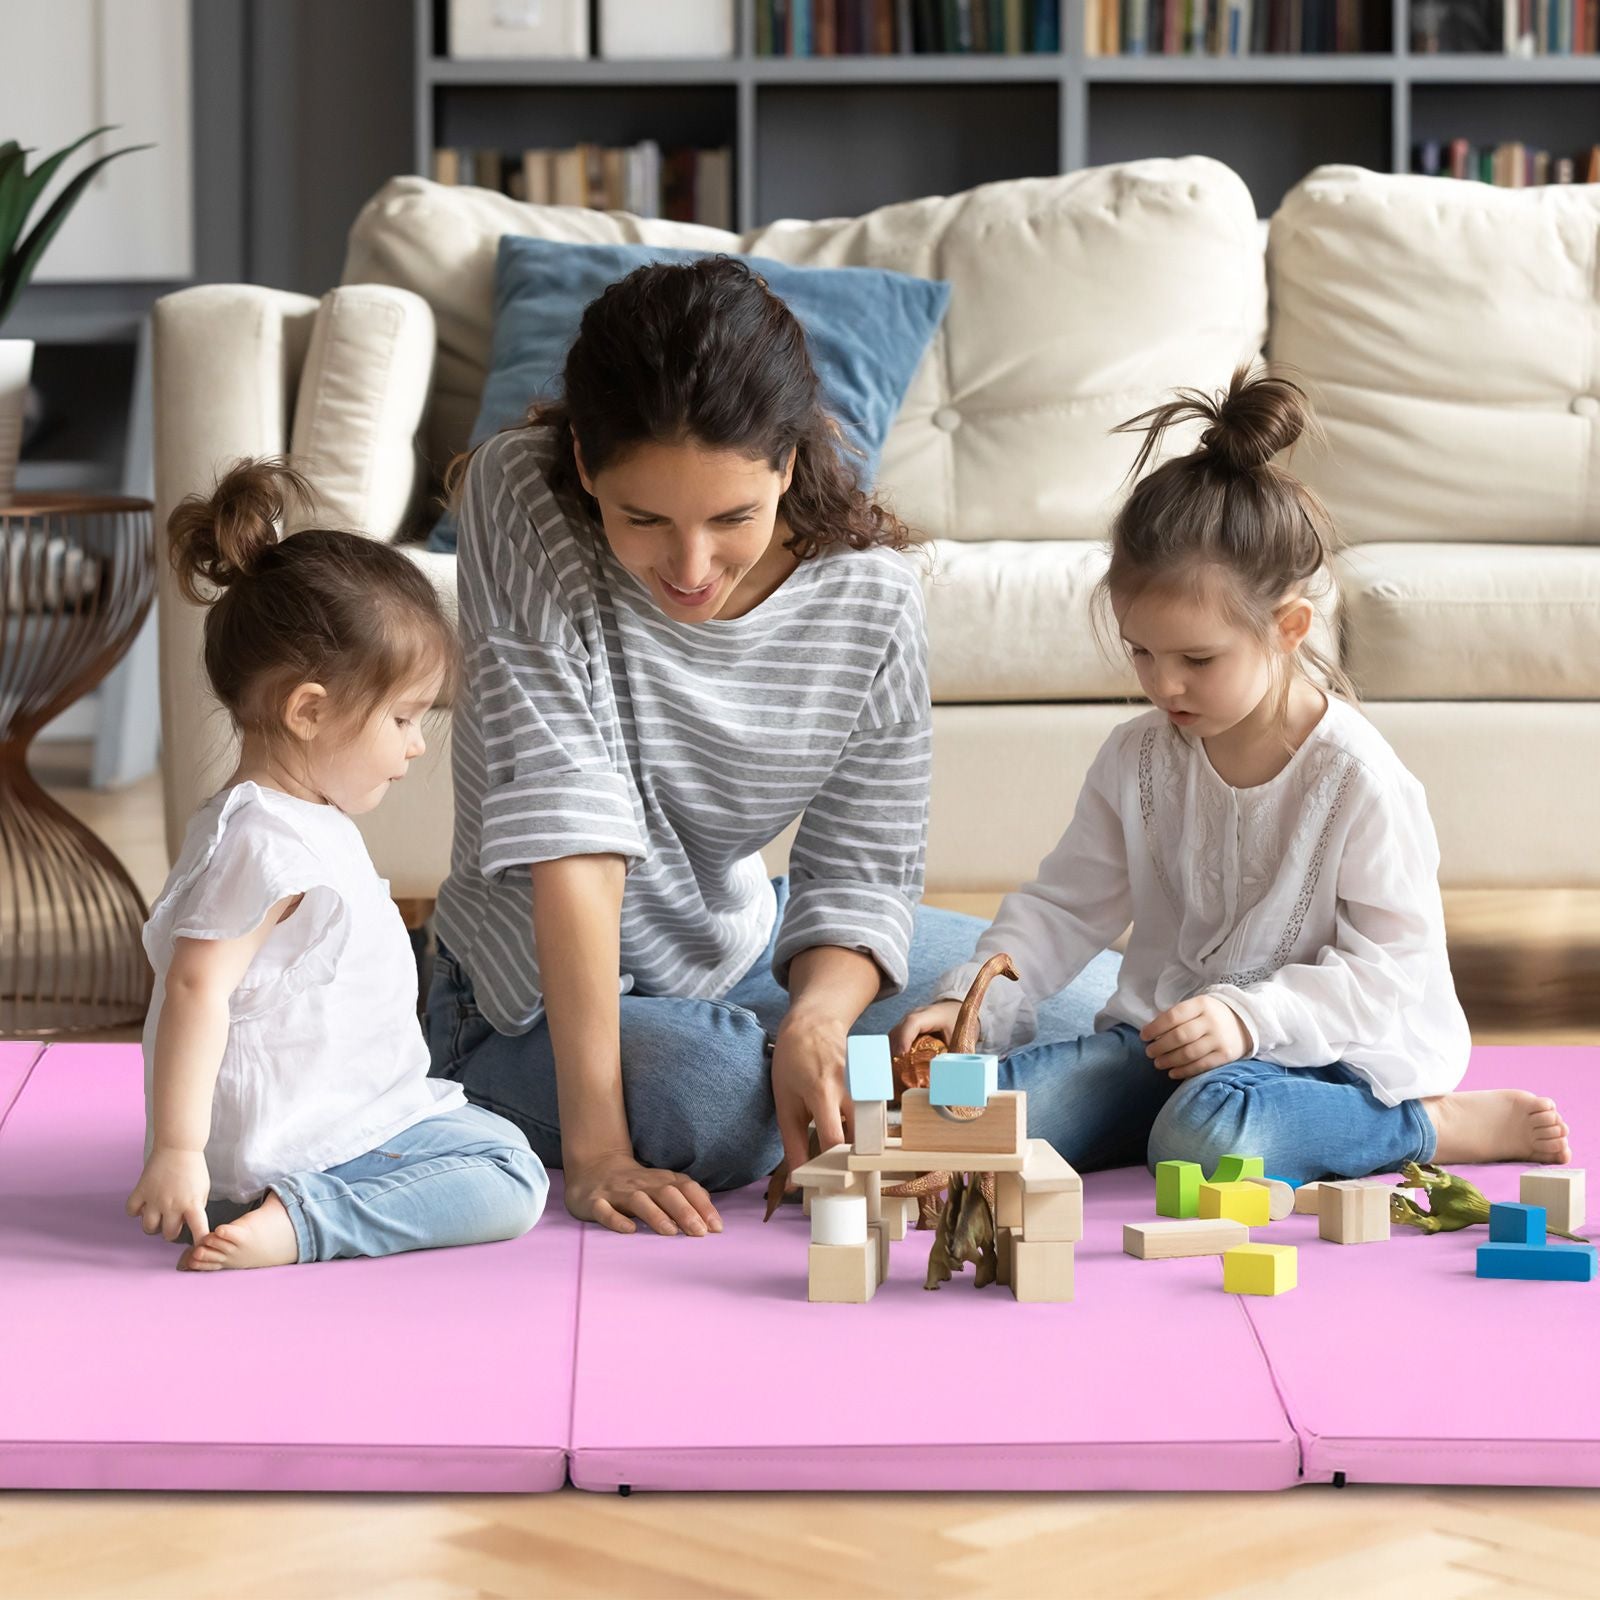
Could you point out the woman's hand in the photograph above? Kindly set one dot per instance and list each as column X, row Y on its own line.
column 1194, row 1036
column 808, row 1082
column 613, row 1189
column 171, row 1191
column 939, row 1018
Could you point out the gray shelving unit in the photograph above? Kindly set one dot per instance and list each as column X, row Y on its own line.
column 834, row 136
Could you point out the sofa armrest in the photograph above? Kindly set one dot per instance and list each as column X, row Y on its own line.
column 227, row 360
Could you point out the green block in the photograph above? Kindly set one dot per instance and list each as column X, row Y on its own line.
column 1177, row 1188
column 1235, row 1169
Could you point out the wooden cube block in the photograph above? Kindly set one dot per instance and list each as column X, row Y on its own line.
column 1054, row 1216
column 1248, row 1203
column 878, row 1234
column 842, row 1274
column 1041, row 1271
column 1308, row 1200
column 869, row 1072
column 1235, row 1169
column 1187, row 1236
column 1280, row 1196
column 871, row 1126
column 963, row 1080
column 1560, row 1193
column 1178, row 1188
column 1004, row 1242
column 899, row 1215
column 1259, row 1269
column 1510, row 1224
column 1354, row 1213
column 1008, row 1200
column 1002, row 1129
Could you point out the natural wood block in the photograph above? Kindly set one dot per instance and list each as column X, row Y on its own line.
column 1280, row 1196
column 842, row 1274
column 1308, row 1200
column 1560, row 1193
column 899, row 1215
column 1041, row 1272
column 1004, row 1241
column 1046, row 1169
column 1008, row 1200
column 903, row 1158
column 1001, row 1129
column 1248, row 1203
column 1175, row 1237
column 1354, row 1213
column 1052, row 1215
column 1260, row 1269
column 879, row 1236
column 871, row 1126
column 830, row 1170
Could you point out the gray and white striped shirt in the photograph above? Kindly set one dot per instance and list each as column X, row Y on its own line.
column 591, row 723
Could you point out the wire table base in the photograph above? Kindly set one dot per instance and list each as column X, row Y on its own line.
column 77, row 575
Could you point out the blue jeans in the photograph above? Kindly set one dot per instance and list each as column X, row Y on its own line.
column 1102, row 1103
column 463, row 1177
column 696, row 1074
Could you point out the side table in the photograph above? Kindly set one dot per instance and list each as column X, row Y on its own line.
column 77, row 575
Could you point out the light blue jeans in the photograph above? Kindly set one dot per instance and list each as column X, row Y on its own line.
column 463, row 1177
column 697, row 1088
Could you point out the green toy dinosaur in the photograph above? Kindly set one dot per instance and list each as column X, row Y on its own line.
column 1453, row 1203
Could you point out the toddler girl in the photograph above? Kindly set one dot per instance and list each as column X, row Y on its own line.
column 1285, row 991
column 286, row 1077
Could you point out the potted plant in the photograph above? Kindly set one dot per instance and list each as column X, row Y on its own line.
column 19, row 255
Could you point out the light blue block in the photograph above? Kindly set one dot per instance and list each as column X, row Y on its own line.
column 1545, row 1263
column 869, row 1072
column 960, row 1080
column 1516, row 1224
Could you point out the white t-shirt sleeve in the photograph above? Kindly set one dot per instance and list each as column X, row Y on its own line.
column 1389, row 929
column 1053, row 927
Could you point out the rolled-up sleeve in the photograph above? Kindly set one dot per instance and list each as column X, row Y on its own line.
column 856, row 869
column 551, row 783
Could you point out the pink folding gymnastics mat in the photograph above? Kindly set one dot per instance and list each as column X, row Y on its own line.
column 437, row 1370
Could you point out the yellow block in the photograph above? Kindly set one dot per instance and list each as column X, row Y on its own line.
column 1259, row 1269
column 1248, row 1203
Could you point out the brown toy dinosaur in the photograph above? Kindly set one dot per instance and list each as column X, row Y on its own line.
column 912, row 1071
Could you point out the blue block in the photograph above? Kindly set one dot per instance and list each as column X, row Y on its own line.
column 956, row 1080
column 1272, row 1177
column 1545, row 1263
column 869, row 1073
column 1516, row 1224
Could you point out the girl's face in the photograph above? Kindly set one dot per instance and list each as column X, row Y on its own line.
column 698, row 528
column 353, row 767
column 1200, row 668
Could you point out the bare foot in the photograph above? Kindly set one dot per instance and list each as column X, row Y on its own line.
column 1497, row 1125
column 260, row 1238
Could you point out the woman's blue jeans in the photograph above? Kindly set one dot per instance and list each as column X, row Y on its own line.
column 696, row 1078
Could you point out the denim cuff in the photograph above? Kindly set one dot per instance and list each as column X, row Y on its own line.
column 304, row 1244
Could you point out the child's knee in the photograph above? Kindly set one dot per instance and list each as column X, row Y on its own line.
column 525, row 1190
column 1205, row 1120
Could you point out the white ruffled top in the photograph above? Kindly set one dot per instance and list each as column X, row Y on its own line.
column 1309, row 904
column 325, row 1059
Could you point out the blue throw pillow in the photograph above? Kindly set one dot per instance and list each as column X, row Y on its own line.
column 867, row 330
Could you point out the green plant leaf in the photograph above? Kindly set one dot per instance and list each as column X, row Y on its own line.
column 19, row 265
column 13, row 177
column 33, row 185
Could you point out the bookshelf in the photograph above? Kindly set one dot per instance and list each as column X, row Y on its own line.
column 838, row 135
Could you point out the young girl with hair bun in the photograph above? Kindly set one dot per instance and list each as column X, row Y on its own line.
column 1286, row 991
column 286, row 1077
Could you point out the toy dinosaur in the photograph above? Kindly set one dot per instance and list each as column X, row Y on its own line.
column 911, row 1071
column 1453, row 1203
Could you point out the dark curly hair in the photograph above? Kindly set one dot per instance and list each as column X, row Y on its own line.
column 705, row 351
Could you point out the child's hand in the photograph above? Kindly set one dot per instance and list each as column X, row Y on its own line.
column 1194, row 1036
column 171, row 1191
column 940, row 1017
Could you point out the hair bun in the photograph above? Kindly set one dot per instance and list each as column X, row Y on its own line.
column 223, row 537
column 1253, row 421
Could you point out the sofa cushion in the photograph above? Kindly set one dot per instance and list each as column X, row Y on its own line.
column 1447, row 332
column 363, row 390
column 1472, row 622
column 1077, row 301
column 1010, row 620
column 866, row 330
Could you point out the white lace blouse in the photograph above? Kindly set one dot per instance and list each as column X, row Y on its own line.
column 1309, row 904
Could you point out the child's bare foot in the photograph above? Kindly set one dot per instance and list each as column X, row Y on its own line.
column 1497, row 1125
column 260, row 1238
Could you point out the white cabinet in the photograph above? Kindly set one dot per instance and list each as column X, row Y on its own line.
column 67, row 66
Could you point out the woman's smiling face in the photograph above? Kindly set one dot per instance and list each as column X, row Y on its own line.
column 699, row 528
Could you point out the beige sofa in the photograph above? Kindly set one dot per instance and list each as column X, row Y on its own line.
column 1449, row 334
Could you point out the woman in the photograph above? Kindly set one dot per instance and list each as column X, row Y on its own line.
column 685, row 626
